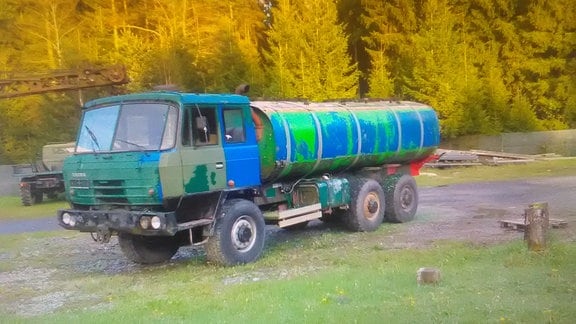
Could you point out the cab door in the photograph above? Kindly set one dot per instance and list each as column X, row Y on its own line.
column 203, row 161
column 240, row 147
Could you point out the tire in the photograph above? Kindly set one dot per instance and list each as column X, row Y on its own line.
column 367, row 204
column 401, row 199
column 147, row 249
column 26, row 195
column 238, row 234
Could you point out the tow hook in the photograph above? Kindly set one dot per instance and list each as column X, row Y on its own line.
column 102, row 235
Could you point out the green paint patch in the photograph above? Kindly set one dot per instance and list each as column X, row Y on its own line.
column 199, row 182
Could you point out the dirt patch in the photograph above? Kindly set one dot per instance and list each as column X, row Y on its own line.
column 471, row 212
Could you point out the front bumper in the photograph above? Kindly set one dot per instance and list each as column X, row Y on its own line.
column 118, row 221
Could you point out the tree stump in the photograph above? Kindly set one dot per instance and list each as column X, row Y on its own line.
column 537, row 221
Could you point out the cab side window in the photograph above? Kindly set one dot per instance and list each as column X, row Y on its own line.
column 199, row 127
column 234, row 126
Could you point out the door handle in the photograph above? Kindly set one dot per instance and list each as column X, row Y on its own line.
column 219, row 165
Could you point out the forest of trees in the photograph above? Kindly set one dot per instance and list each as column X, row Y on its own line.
column 487, row 66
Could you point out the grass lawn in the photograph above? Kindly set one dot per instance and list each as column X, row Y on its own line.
column 546, row 168
column 11, row 208
column 331, row 278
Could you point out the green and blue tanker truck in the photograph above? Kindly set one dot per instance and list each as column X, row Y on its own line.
column 163, row 170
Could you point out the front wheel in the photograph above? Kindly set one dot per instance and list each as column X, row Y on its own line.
column 401, row 199
column 238, row 235
column 148, row 249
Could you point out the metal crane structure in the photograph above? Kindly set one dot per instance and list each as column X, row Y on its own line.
column 45, row 176
column 63, row 80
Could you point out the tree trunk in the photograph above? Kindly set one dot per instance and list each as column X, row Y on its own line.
column 537, row 220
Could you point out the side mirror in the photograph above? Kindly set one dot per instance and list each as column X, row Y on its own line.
column 202, row 127
column 201, row 123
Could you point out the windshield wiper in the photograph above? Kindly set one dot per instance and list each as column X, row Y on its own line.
column 94, row 139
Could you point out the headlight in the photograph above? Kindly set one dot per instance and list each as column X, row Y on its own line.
column 66, row 218
column 72, row 221
column 156, row 222
column 145, row 222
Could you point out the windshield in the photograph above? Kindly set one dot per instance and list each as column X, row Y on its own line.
column 128, row 127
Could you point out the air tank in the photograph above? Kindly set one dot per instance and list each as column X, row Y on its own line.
column 298, row 139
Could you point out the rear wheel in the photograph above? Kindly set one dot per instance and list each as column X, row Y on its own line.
column 26, row 195
column 238, row 235
column 367, row 205
column 148, row 249
column 401, row 199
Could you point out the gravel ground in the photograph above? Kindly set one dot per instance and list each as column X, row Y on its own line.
column 465, row 212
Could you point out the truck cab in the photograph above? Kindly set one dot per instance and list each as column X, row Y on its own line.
column 144, row 162
column 199, row 143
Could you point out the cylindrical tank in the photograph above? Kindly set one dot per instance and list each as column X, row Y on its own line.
column 297, row 139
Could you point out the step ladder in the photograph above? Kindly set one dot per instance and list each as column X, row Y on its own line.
column 294, row 216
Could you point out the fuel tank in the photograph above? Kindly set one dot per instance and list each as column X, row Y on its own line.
column 298, row 139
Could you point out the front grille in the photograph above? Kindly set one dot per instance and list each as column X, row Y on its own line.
column 110, row 191
column 79, row 184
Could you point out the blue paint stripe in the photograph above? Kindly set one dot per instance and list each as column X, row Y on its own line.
column 391, row 140
column 335, row 137
column 410, row 130
column 369, row 134
column 431, row 129
column 150, row 156
column 279, row 137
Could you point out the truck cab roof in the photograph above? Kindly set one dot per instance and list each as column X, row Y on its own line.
column 185, row 98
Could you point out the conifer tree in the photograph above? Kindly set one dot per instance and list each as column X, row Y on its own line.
column 307, row 56
column 351, row 14
column 546, row 39
column 390, row 24
column 237, row 59
column 438, row 70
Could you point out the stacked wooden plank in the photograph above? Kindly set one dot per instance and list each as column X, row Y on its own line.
column 520, row 224
column 454, row 158
column 457, row 158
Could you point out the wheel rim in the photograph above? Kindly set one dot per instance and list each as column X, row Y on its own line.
column 244, row 233
column 406, row 197
column 371, row 206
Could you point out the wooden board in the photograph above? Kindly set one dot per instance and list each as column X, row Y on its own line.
column 519, row 225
